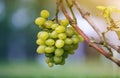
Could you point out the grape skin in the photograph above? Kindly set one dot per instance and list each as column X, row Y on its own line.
column 69, row 32
column 59, row 52
column 50, row 64
column 44, row 14
column 50, row 42
column 62, row 36
column 54, row 26
column 43, row 35
column 41, row 49
column 57, row 59
column 48, row 24
column 59, row 43
column 40, row 42
column 64, row 22
column 68, row 41
column 40, row 21
column 75, row 40
column 49, row 49
column 54, row 34
column 60, row 29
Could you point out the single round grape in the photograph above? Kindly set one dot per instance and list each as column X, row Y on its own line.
column 60, row 29
column 57, row 59
column 54, row 26
column 54, row 34
column 50, row 64
column 64, row 22
column 59, row 43
column 75, row 40
column 80, row 38
column 68, row 41
column 62, row 36
column 43, row 35
column 59, row 52
column 49, row 59
column 40, row 21
column 48, row 24
column 50, row 42
column 69, row 32
column 41, row 49
column 49, row 49
column 44, row 13
column 40, row 42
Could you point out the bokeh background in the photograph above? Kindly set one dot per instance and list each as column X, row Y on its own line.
column 18, row 57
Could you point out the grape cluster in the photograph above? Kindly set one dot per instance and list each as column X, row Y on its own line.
column 56, row 40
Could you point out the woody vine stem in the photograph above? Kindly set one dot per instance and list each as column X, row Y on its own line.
column 86, row 16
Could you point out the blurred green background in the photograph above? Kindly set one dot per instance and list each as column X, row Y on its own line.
column 18, row 57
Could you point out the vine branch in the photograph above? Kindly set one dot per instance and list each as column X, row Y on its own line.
column 107, row 55
column 88, row 19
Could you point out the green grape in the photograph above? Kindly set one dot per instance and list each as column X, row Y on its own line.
column 40, row 21
column 59, row 43
column 74, row 36
column 50, row 64
column 54, row 26
column 69, row 32
column 71, row 52
column 43, row 35
column 50, row 42
column 54, row 34
column 64, row 22
column 40, row 42
column 80, row 38
column 62, row 36
column 41, row 49
column 68, row 41
column 71, row 47
column 48, row 24
column 60, row 29
column 59, row 52
column 68, row 47
column 49, row 54
column 75, row 46
column 49, row 49
column 49, row 59
column 44, row 13
column 65, row 54
column 63, row 61
column 75, row 40
column 57, row 59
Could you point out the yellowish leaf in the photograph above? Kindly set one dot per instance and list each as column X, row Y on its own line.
column 101, row 7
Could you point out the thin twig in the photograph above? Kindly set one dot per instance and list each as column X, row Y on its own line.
column 70, row 7
column 85, row 37
column 57, row 11
column 85, row 15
